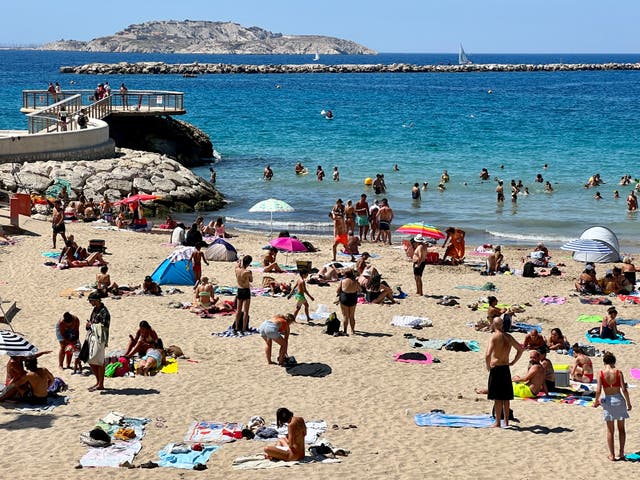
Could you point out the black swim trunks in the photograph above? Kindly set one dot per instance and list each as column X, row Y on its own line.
column 418, row 270
column 58, row 228
column 243, row 294
column 349, row 299
column 500, row 386
column 384, row 225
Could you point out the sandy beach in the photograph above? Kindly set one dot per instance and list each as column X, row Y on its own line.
column 227, row 379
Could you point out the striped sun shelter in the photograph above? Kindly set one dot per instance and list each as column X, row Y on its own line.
column 14, row 344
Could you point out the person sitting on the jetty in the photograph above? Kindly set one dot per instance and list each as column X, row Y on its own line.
column 484, row 174
column 582, row 368
column 291, row 447
column 276, row 330
column 31, row 388
column 533, row 340
column 587, row 282
column 152, row 360
column 629, row 270
column 300, row 293
column 557, row 341
column 193, row 236
column 270, row 263
column 532, row 383
column 494, row 261
column 299, row 168
column 67, row 334
column 149, row 287
column 104, row 285
column 609, row 326
column 144, row 339
column 455, row 251
column 196, row 259
column 268, row 173
column 615, row 404
column 203, row 295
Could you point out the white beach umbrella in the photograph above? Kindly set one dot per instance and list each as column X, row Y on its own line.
column 271, row 205
column 14, row 344
column 587, row 246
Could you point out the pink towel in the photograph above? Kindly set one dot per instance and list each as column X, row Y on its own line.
column 429, row 358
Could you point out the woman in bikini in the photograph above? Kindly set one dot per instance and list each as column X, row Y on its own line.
column 153, row 359
column 557, row 341
column 582, row 369
column 276, row 330
column 348, row 298
column 615, row 404
column 144, row 339
column 609, row 327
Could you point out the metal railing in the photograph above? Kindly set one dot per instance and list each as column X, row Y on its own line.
column 58, row 117
column 133, row 100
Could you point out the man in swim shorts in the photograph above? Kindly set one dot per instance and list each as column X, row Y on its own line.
column 362, row 216
column 243, row 297
column 339, row 227
column 57, row 222
column 385, row 216
column 500, row 389
column 533, row 382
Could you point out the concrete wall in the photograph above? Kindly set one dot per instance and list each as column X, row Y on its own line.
column 88, row 144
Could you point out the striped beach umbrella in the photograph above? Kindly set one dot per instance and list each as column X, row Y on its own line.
column 587, row 246
column 271, row 205
column 419, row 228
column 14, row 344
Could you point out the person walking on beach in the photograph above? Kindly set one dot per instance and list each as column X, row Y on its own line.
column 500, row 388
column 57, row 222
column 196, row 259
column 419, row 261
column 300, row 293
column 362, row 216
column 243, row 297
column 615, row 405
column 98, row 338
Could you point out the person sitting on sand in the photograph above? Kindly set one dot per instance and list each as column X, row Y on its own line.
column 291, row 447
column 547, row 365
column 149, row 287
column 455, row 251
column 270, row 263
column 68, row 259
column 353, row 242
column 152, row 360
column 609, row 327
column 623, row 285
column 582, row 368
column 532, row 383
column 67, row 333
column 104, row 285
column 587, row 282
column 361, row 263
column 144, row 339
column 557, row 341
column 376, row 290
column 615, row 404
column 494, row 261
column 629, row 270
column 276, row 330
column 193, row 236
column 31, row 388
column 203, row 294
column 533, row 340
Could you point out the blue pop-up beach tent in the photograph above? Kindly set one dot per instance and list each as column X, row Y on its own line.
column 173, row 270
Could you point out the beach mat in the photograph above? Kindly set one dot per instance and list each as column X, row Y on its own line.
column 635, row 373
column 553, row 300
column 595, row 301
column 590, row 318
column 455, row 421
column 207, row 431
column 411, row 321
column 186, row 460
column 618, row 341
column 488, row 287
column 52, row 403
column 258, row 462
column 630, row 298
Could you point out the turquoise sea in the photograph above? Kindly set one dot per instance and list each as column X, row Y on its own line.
column 579, row 123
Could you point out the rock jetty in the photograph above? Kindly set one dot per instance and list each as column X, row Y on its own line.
column 124, row 68
column 152, row 173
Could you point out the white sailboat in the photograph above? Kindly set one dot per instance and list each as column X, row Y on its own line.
column 316, row 57
column 462, row 57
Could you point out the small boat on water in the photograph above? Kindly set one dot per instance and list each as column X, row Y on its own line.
column 316, row 57
column 463, row 59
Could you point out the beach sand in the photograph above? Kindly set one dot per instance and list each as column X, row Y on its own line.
column 228, row 378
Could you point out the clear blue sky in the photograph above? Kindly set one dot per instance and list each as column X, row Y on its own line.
column 416, row 26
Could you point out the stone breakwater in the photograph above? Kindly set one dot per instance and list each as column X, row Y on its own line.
column 151, row 173
column 124, row 68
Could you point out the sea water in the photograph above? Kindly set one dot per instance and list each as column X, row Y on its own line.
column 577, row 123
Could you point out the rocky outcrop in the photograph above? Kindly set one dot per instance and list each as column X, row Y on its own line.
column 124, row 68
column 149, row 172
column 186, row 143
column 199, row 36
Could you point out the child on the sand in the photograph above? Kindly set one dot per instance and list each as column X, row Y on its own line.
column 300, row 293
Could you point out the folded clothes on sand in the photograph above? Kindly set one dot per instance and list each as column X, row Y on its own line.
column 443, row 420
column 172, row 455
column 411, row 321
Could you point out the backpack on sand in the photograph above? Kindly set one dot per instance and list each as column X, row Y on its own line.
column 529, row 270
column 332, row 324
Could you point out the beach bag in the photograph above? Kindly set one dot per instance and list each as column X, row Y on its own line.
column 110, row 369
column 332, row 324
column 83, row 356
column 123, row 369
column 529, row 270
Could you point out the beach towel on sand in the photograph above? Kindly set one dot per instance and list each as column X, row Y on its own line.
column 557, row 397
column 595, row 301
column 211, row 432
column 258, row 462
column 170, row 367
column 179, row 458
column 590, row 318
column 119, row 451
column 596, row 339
column 553, row 300
column 635, row 373
column 457, row 421
column 630, row 298
column 52, row 402
column 489, row 287
column 410, row 321
column 414, row 357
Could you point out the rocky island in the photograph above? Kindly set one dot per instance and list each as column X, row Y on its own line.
column 201, row 36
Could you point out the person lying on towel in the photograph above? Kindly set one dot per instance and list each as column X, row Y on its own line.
column 533, row 382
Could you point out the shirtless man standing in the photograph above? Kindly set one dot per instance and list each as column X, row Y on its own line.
column 57, row 222
column 385, row 216
column 243, row 297
column 500, row 389
column 291, row 447
column 339, row 227
column 533, row 380
column 362, row 216
column 419, row 262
